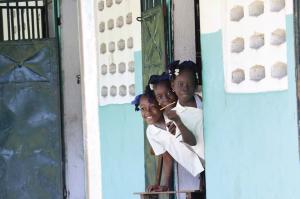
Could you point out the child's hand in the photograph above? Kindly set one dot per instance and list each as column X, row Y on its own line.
column 171, row 127
column 172, row 115
column 157, row 188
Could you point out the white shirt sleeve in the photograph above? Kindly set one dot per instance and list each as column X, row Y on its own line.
column 193, row 120
column 152, row 135
column 198, row 132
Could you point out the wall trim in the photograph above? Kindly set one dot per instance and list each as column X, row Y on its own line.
column 91, row 130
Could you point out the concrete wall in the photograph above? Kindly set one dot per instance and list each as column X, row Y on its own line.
column 121, row 128
column 122, row 146
column 251, row 139
column 73, row 133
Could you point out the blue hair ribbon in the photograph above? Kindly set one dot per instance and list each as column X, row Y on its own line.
column 136, row 102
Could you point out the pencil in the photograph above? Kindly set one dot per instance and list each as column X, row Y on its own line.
column 167, row 106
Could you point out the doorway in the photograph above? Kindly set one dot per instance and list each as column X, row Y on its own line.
column 172, row 42
column 157, row 52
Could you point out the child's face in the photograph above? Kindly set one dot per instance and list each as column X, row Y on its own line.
column 184, row 86
column 164, row 95
column 150, row 111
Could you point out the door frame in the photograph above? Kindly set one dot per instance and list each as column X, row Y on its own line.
column 89, row 87
column 297, row 61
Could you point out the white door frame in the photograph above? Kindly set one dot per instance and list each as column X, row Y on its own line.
column 89, row 76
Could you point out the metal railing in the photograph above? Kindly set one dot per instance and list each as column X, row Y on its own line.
column 23, row 19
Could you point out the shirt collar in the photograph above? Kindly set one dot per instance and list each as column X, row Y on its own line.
column 179, row 107
column 154, row 130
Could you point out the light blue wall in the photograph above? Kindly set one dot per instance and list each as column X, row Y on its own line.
column 251, row 139
column 122, row 147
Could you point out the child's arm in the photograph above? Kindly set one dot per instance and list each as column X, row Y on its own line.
column 167, row 167
column 187, row 136
column 167, row 170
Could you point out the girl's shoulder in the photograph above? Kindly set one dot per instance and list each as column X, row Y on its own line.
column 198, row 95
column 152, row 129
column 198, row 100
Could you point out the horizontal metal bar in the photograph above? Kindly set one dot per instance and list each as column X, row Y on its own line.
column 20, row 1
column 21, row 7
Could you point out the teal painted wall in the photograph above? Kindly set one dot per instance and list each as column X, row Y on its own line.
column 251, row 139
column 122, row 147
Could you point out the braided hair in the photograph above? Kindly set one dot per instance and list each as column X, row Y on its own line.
column 175, row 69
column 147, row 93
column 156, row 79
column 136, row 102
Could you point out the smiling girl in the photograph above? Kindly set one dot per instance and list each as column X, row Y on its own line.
column 165, row 143
column 184, row 81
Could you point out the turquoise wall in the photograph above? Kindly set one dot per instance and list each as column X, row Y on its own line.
column 122, row 147
column 251, row 139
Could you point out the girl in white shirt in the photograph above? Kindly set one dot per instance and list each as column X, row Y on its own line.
column 156, row 136
column 184, row 81
column 159, row 86
column 166, row 97
column 164, row 143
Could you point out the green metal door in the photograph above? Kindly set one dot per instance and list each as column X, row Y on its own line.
column 153, row 42
column 30, row 123
column 153, row 57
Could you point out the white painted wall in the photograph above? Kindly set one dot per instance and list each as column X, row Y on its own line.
column 184, row 30
column 89, row 73
column 73, row 133
column 81, row 132
column 111, row 37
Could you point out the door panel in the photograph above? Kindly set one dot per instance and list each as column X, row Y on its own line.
column 153, row 42
column 297, row 59
column 30, row 123
column 153, row 56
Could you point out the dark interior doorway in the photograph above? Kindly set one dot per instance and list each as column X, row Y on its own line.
column 197, row 39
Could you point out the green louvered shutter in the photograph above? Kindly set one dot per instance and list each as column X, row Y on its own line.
column 153, row 57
